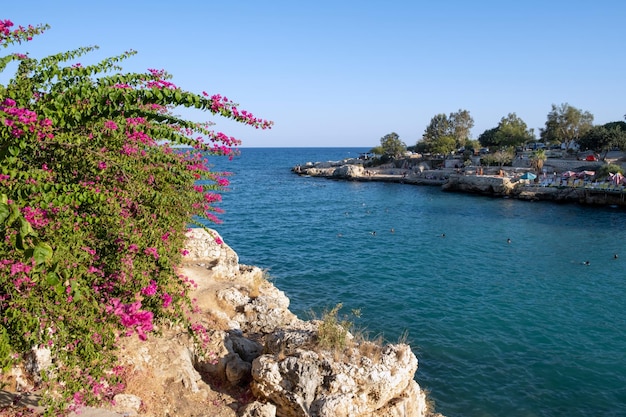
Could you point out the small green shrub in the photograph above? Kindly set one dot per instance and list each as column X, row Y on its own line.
column 333, row 330
column 604, row 170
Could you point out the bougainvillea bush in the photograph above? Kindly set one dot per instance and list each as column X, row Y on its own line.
column 94, row 204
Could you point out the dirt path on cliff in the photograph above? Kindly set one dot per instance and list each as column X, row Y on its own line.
column 215, row 398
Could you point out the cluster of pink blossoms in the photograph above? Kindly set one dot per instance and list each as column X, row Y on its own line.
column 8, row 35
column 132, row 317
column 151, row 289
column 160, row 82
column 23, row 120
column 220, row 102
column 212, row 197
column 5, row 26
column 224, row 139
column 20, row 274
column 37, row 217
column 152, row 252
column 110, row 124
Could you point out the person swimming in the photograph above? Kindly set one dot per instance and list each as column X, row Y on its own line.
column 508, row 241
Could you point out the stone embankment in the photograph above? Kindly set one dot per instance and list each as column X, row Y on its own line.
column 489, row 181
column 263, row 361
column 353, row 170
column 504, row 187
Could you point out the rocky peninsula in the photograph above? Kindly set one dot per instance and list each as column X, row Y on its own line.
column 505, row 182
column 264, row 360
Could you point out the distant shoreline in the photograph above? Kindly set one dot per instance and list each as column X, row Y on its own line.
column 493, row 182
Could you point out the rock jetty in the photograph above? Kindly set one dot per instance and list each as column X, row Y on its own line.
column 264, row 360
column 490, row 181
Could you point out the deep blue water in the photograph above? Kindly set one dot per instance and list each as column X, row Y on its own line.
column 519, row 329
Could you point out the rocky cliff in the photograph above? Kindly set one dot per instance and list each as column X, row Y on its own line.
column 263, row 361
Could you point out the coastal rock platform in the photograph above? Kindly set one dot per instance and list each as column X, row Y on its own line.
column 263, row 360
column 494, row 182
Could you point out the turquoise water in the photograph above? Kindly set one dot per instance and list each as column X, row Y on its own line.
column 519, row 329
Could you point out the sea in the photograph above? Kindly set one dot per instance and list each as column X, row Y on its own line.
column 524, row 328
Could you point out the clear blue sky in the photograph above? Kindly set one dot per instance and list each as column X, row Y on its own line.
column 346, row 73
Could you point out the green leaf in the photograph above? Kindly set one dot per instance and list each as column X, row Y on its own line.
column 42, row 253
column 26, row 229
column 5, row 211
column 52, row 279
column 59, row 288
column 15, row 213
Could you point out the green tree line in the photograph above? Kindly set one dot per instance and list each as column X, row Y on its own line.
column 565, row 126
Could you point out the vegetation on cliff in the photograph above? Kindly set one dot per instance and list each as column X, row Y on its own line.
column 94, row 205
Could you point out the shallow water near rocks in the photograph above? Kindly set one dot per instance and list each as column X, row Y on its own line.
column 500, row 329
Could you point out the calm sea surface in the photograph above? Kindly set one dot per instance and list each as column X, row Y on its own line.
column 519, row 329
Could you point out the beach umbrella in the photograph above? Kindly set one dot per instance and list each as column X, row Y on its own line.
column 568, row 174
column 617, row 178
column 583, row 174
column 528, row 176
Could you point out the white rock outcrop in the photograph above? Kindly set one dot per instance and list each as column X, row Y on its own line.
column 256, row 346
column 349, row 171
column 362, row 380
column 203, row 248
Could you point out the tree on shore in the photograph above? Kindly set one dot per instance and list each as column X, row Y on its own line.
column 439, row 126
column 457, row 126
column 392, row 146
column 443, row 145
column 461, row 124
column 487, row 139
column 566, row 124
column 537, row 160
column 513, row 131
column 601, row 139
column 94, row 208
column 503, row 156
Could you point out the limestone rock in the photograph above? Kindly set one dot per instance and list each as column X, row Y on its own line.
column 290, row 383
column 233, row 297
column 247, row 349
column 238, row 370
column 320, row 383
column 349, row 171
column 265, row 313
column 258, row 409
column 232, row 357
column 129, row 404
column 38, row 360
column 289, row 339
column 488, row 184
column 203, row 248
